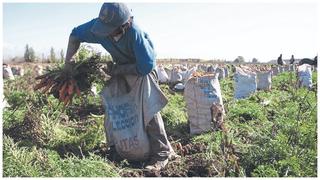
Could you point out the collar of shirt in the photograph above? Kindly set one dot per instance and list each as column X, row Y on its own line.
column 117, row 38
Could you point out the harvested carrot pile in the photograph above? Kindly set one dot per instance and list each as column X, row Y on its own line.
column 63, row 85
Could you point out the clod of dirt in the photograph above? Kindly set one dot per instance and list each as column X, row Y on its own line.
column 190, row 148
column 176, row 168
column 200, row 166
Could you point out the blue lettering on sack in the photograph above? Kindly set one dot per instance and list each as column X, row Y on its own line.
column 207, row 88
column 127, row 144
column 122, row 116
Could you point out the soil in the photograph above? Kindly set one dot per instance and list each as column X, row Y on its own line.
column 193, row 163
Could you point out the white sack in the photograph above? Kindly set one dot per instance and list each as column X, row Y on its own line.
column 245, row 83
column 264, row 80
column 305, row 75
column 200, row 93
column 128, row 113
column 7, row 73
column 162, row 74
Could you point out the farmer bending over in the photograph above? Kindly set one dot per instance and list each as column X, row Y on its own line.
column 133, row 54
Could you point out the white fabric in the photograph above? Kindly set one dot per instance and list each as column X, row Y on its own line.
column 162, row 74
column 264, row 80
column 200, row 93
column 129, row 113
column 189, row 73
column 7, row 73
column 179, row 86
column 245, row 83
column 176, row 76
column 305, row 75
column 221, row 73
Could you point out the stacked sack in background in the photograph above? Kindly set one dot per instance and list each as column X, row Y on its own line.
column 305, row 76
column 245, row 82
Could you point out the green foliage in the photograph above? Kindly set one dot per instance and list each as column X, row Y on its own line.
column 174, row 114
column 269, row 134
column 52, row 55
column 85, row 52
column 265, row 171
column 37, row 162
column 61, row 55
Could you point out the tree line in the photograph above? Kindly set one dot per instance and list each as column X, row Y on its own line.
column 83, row 52
column 29, row 55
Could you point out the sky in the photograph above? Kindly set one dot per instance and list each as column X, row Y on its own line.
column 178, row 30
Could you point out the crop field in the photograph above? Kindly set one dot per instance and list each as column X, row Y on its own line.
column 42, row 138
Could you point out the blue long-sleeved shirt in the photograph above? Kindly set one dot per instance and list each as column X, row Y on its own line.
column 134, row 46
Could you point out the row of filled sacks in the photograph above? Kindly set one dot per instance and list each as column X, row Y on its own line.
column 286, row 68
column 303, row 72
column 10, row 71
column 181, row 74
column 176, row 74
column 222, row 70
column 248, row 81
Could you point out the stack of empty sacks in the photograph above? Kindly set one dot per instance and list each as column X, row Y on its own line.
column 305, row 76
column 200, row 94
column 245, row 82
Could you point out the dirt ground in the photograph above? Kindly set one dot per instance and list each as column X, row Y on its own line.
column 192, row 163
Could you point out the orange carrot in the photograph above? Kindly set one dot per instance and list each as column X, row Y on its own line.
column 70, row 87
column 62, row 91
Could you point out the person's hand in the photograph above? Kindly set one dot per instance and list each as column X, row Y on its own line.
column 68, row 67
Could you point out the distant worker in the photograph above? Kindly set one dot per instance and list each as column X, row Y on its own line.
column 280, row 61
column 292, row 59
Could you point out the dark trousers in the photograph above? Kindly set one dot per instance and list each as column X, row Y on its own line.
column 159, row 144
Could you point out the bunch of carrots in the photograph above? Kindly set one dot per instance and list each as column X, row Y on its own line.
column 64, row 86
column 64, row 90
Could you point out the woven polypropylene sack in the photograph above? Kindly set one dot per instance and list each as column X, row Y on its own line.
column 130, row 103
column 162, row 74
column 245, row 83
column 305, row 75
column 200, row 93
column 264, row 80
